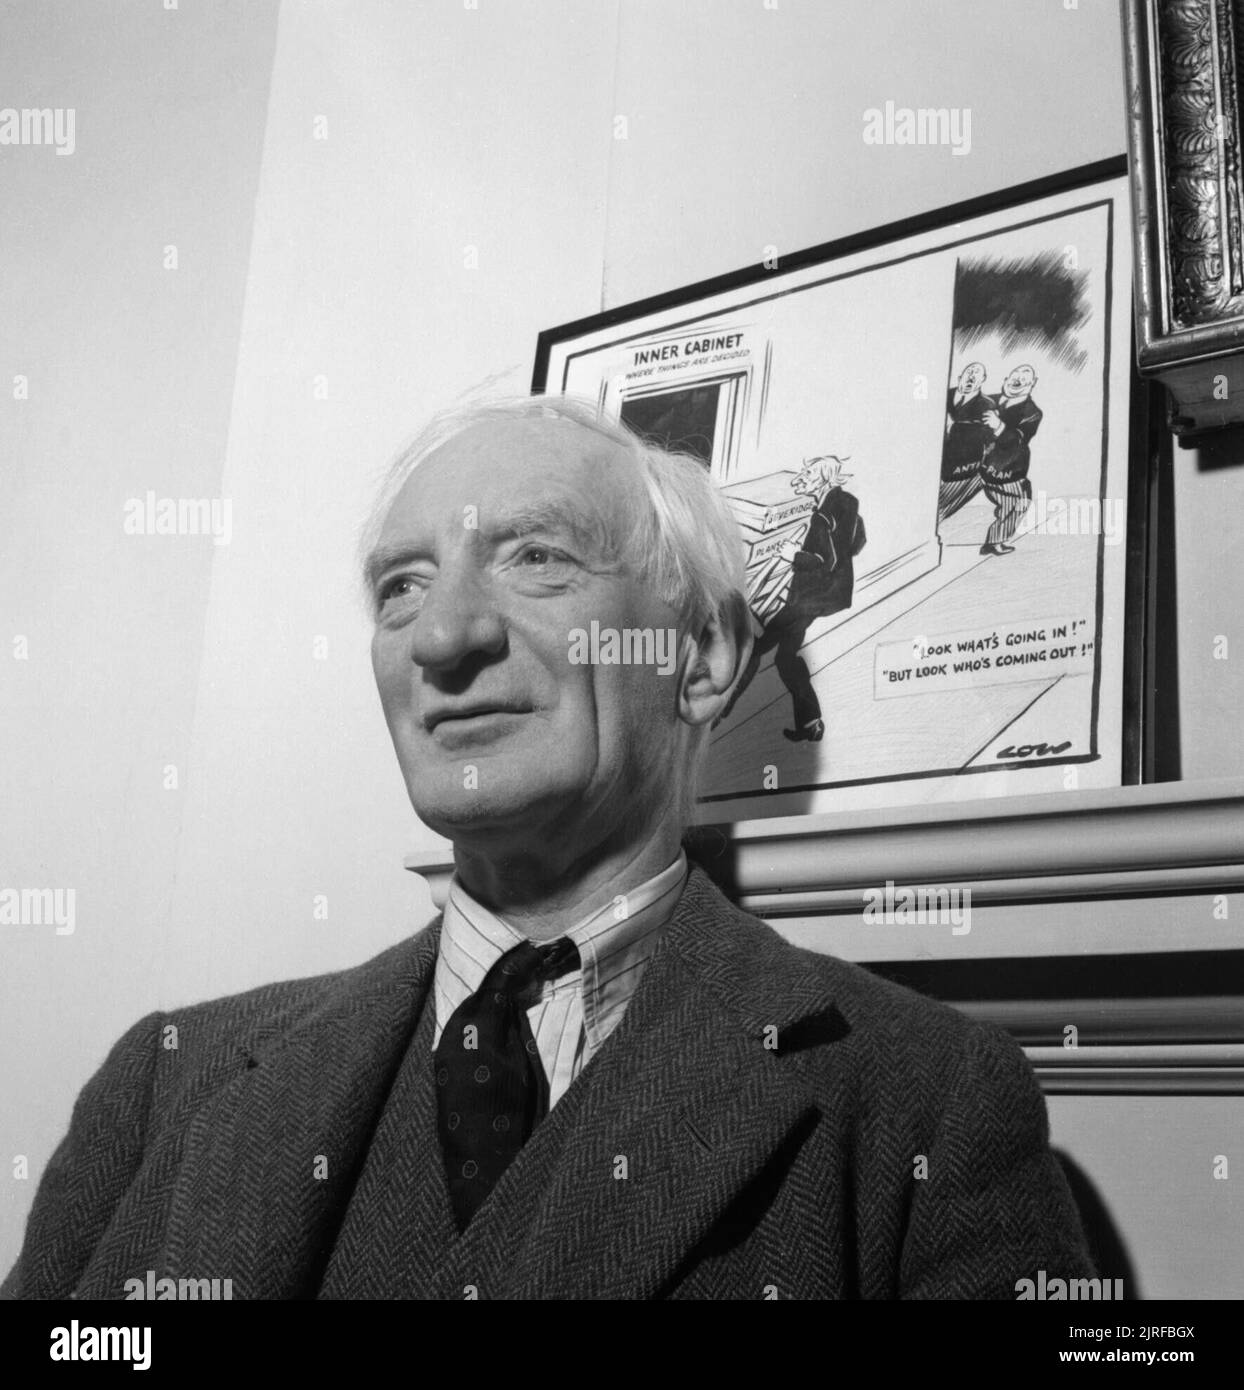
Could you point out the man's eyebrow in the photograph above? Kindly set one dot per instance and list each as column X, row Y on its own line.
column 384, row 557
column 589, row 532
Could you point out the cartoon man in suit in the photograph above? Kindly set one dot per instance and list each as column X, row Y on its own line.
column 1004, row 468
column 966, row 438
column 591, row 1076
column 822, row 583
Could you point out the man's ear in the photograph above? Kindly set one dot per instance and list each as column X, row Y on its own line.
column 713, row 663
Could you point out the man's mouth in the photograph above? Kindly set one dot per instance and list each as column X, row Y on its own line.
column 463, row 716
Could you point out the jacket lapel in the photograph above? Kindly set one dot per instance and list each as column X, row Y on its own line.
column 271, row 1161
column 399, row 1225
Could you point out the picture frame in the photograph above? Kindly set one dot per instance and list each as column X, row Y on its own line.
column 788, row 377
column 1183, row 61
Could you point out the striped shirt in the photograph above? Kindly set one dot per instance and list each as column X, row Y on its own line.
column 577, row 1012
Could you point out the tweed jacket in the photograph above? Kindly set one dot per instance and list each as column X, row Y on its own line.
column 765, row 1122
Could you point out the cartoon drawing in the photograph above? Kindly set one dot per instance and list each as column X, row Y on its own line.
column 986, row 449
column 1004, row 469
column 886, row 665
column 821, row 574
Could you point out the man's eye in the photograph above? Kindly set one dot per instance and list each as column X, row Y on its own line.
column 540, row 555
column 398, row 587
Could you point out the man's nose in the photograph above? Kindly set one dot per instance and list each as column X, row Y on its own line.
column 459, row 619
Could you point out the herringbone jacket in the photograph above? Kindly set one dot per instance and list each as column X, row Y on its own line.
column 765, row 1122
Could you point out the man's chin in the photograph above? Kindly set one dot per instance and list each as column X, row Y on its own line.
column 493, row 814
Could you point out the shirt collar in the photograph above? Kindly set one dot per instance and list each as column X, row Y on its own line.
column 614, row 941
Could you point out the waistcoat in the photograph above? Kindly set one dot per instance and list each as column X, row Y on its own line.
column 398, row 1239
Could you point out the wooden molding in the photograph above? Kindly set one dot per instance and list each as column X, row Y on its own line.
column 1125, row 842
column 1128, row 841
column 1116, row 1071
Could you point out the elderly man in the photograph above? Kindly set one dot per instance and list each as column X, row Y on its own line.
column 591, row 1077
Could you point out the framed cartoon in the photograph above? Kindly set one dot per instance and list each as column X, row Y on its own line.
column 924, row 433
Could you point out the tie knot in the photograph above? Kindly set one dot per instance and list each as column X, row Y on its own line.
column 530, row 964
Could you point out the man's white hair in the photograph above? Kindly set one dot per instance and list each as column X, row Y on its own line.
column 685, row 543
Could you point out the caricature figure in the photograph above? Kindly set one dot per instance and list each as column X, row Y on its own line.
column 967, row 438
column 822, row 583
column 1004, row 469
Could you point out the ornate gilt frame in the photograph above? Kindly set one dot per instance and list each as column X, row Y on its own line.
column 1183, row 62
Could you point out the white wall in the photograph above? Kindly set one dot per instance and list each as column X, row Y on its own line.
column 447, row 128
column 130, row 372
column 1209, row 588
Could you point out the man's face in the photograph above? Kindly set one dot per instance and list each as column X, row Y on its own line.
column 971, row 378
column 810, row 478
column 1018, row 382
column 490, row 557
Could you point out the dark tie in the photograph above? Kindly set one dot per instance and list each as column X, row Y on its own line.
column 491, row 1088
